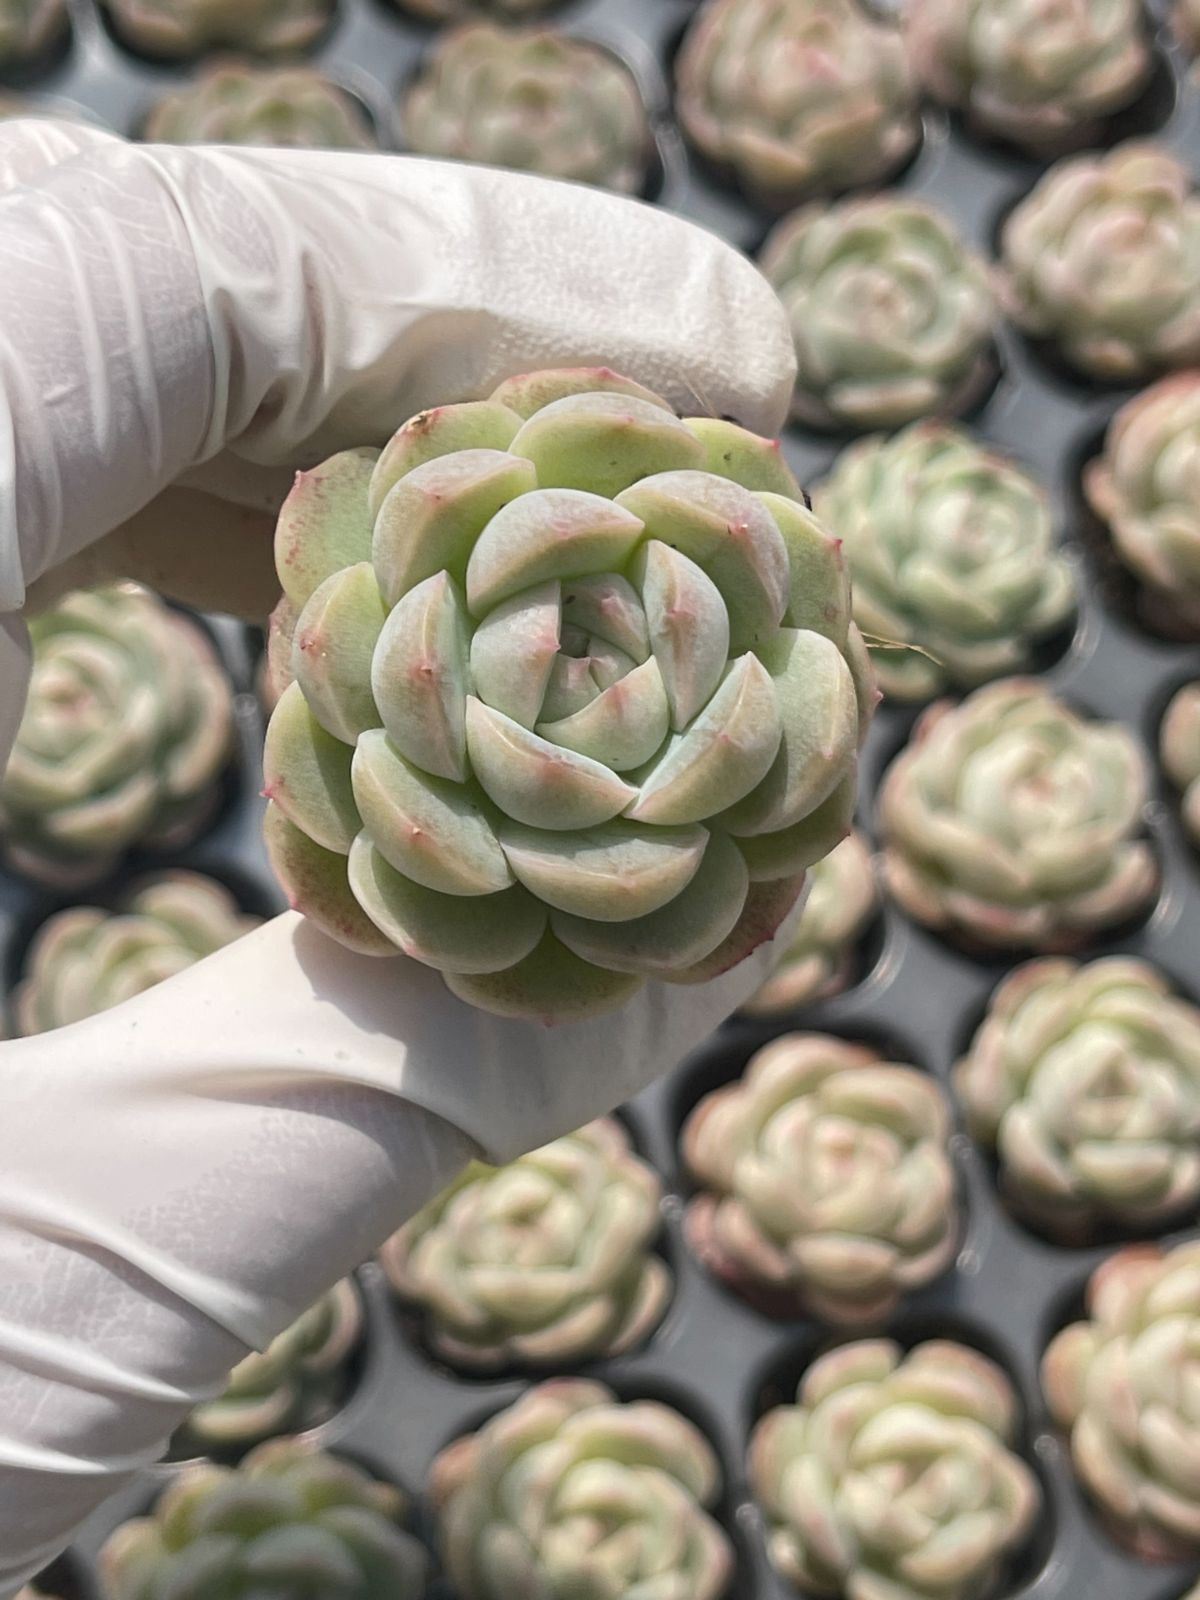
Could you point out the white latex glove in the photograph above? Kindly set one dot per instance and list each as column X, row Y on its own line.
column 181, row 1176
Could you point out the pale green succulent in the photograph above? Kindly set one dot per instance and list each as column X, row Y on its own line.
column 28, row 28
column 186, row 27
column 796, row 97
column 235, row 103
column 1180, row 748
column 951, row 550
column 892, row 316
column 1125, row 1384
column 1085, row 1080
column 127, row 728
column 1103, row 259
column 577, row 696
column 537, row 100
column 893, row 1476
column 571, row 1492
column 547, row 1260
column 1013, row 821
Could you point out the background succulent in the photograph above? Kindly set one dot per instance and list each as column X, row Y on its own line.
column 950, row 549
column 537, row 100
column 796, row 97
column 289, row 1520
column 235, row 103
column 1102, row 258
column 571, row 1492
column 819, row 959
column 28, row 28
column 185, row 27
column 127, row 728
column 1086, row 1082
column 1180, row 741
column 1146, row 487
column 1039, row 72
column 892, row 316
column 1126, row 1385
column 892, row 1478
column 825, row 1181
column 1012, row 820
column 547, row 1260
column 554, row 727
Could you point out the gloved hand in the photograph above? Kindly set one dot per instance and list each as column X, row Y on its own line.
column 179, row 330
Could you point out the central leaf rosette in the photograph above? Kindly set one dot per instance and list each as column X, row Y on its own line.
column 576, row 694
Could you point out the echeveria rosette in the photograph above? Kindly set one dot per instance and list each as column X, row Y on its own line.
column 29, row 28
column 84, row 959
column 1103, row 259
column 571, row 1492
column 796, row 97
column 825, row 1184
column 1179, row 742
column 533, row 99
column 289, row 1520
column 547, row 1261
column 283, row 107
column 1041, row 73
column 1125, row 1384
column 1085, row 1081
column 186, row 27
column 127, row 728
column 892, row 315
column 1012, row 821
column 819, row 960
column 951, row 550
column 893, row 1477
column 577, row 696
column 1146, row 486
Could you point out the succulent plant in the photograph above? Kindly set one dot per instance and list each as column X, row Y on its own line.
column 1146, row 487
column 547, row 1260
column 950, row 549
column 1040, row 73
column 127, row 728
column 1013, row 821
column 577, row 696
column 571, row 1492
column 186, row 27
column 534, row 99
column 28, row 28
column 1102, row 258
column 290, row 1520
column 825, row 1181
column 84, row 959
column 892, row 316
column 1126, row 1385
column 1085, row 1080
column 1180, row 746
column 819, row 959
column 297, row 1382
column 796, row 97
column 893, row 1476
column 235, row 103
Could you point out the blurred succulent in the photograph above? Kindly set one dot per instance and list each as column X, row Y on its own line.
column 537, row 100
column 571, row 1492
column 1146, row 487
column 892, row 316
column 233, row 103
column 1011, row 820
column 1042, row 73
column 951, row 550
column 186, row 27
column 1126, row 1384
column 1085, row 1080
column 893, row 1477
column 796, row 97
column 1102, row 258
column 819, row 959
column 547, row 1260
column 297, row 1382
column 1180, row 747
column 1185, row 19
column 84, row 960
column 127, row 728
column 28, row 28
column 577, row 697
column 825, row 1181
column 289, row 1521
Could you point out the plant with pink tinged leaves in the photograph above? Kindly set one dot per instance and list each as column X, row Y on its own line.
column 1180, row 748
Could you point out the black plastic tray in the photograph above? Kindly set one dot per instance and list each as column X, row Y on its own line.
column 918, row 999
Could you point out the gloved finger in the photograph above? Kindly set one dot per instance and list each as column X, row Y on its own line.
column 33, row 146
